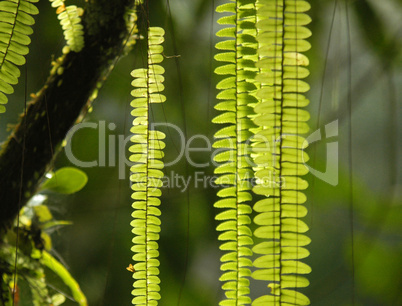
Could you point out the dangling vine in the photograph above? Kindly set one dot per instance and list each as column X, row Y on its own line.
column 278, row 151
column 146, row 173
column 235, row 168
column 264, row 77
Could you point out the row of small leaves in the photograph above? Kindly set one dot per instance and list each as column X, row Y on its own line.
column 278, row 151
column 263, row 88
column 70, row 22
column 16, row 21
column 238, row 55
column 15, row 27
column 146, row 173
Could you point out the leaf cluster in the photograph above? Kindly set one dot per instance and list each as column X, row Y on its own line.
column 262, row 109
column 34, row 261
column 70, row 21
column 16, row 23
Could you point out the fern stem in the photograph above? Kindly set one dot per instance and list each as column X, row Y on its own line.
column 279, row 117
column 232, row 139
column 238, row 142
column 280, row 135
column 146, row 173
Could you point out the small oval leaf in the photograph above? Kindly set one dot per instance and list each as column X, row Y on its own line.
column 66, row 180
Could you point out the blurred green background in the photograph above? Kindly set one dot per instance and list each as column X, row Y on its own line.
column 97, row 247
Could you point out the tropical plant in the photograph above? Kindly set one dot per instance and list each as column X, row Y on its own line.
column 70, row 21
column 25, row 260
column 15, row 24
column 259, row 156
column 146, row 175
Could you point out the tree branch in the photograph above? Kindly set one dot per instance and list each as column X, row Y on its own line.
column 27, row 155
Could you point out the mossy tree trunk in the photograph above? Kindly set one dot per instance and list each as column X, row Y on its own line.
column 28, row 153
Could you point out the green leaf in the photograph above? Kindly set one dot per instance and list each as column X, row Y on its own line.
column 156, row 31
column 226, row 57
column 227, row 7
column 226, row 32
column 226, row 70
column 65, row 276
column 294, row 297
column 228, row 117
column 55, row 223
column 226, row 45
column 265, row 300
column 231, row 20
column 43, row 213
column 66, row 180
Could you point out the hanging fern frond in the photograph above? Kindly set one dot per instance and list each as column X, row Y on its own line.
column 146, row 173
column 70, row 22
column 278, row 151
column 15, row 27
column 238, row 57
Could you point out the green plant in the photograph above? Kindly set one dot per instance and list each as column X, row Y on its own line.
column 25, row 261
column 70, row 21
column 147, row 172
column 264, row 55
column 62, row 89
column 16, row 24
